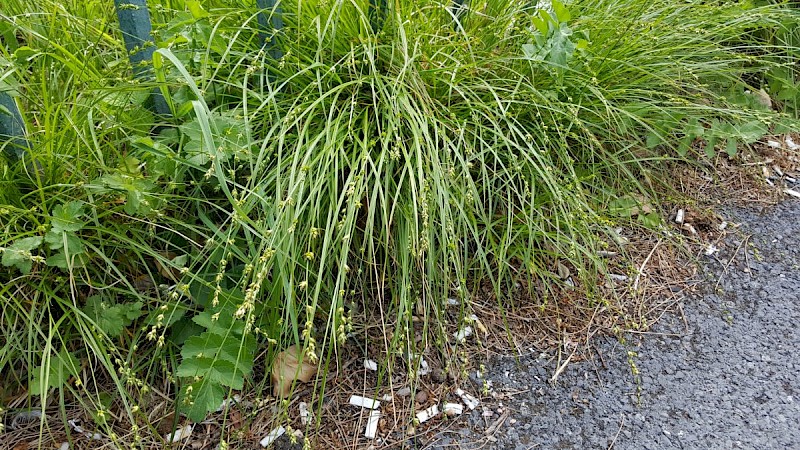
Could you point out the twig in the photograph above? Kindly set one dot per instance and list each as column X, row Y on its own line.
column 644, row 263
column 736, row 252
column 621, row 424
column 563, row 366
column 497, row 423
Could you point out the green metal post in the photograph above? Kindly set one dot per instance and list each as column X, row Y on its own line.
column 459, row 8
column 377, row 14
column 270, row 21
column 134, row 21
column 12, row 127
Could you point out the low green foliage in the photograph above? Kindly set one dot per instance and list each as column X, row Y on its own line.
column 296, row 201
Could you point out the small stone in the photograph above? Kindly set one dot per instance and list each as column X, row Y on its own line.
column 421, row 397
column 404, row 392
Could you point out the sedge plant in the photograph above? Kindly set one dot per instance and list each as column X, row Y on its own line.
column 373, row 171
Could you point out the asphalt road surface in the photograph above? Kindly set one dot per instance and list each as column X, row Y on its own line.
column 726, row 378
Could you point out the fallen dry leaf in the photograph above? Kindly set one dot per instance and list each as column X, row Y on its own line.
column 287, row 368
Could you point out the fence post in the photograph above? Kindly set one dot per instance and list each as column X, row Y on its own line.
column 377, row 14
column 134, row 21
column 12, row 127
column 458, row 11
column 270, row 21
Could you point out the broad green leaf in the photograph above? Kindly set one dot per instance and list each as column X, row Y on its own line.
column 710, row 149
column 541, row 25
column 651, row 220
column 625, row 206
column 731, row 147
column 653, row 139
column 216, row 347
column 562, row 47
column 196, row 9
column 66, row 217
column 562, row 13
column 61, row 367
column 71, row 242
column 19, row 255
column 61, row 260
column 752, row 131
column 215, row 371
column 110, row 317
column 202, row 398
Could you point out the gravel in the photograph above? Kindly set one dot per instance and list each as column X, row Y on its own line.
column 727, row 377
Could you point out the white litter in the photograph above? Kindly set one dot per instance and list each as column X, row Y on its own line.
column 792, row 192
column 468, row 400
column 453, row 409
column 370, row 365
column 386, row 397
column 688, row 227
column 711, row 249
column 723, row 225
column 426, row 414
column 424, row 368
column 305, row 415
column 774, row 144
column 606, row 254
column 364, row 402
column 179, row 434
column 64, row 446
column 618, row 277
column 452, row 302
column 372, row 424
column 790, row 143
column 679, row 217
column 228, row 402
column 76, row 427
column 272, row 436
column 777, row 170
column 462, row 334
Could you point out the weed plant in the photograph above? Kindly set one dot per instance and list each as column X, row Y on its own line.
column 386, row 162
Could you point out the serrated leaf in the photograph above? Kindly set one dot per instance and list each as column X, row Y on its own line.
column 202, row 398
column 215, row 371
column 110, row 317
column 66, row 217
column 226, row 348
column 19, row 255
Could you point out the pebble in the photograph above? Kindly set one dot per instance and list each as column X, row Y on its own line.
column 421, row 397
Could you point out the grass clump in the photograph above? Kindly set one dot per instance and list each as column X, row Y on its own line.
column 387, row 161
